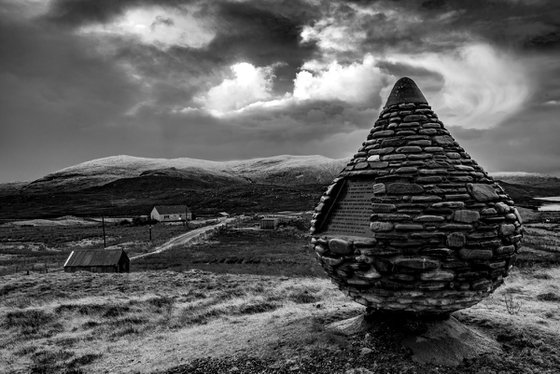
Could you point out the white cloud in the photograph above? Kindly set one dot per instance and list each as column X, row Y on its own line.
column 159, row 26
column 482, row 86
column 332, row 36
column 249, row 85
column 355, row 83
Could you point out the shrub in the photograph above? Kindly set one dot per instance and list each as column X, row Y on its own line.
column 512, row 306
column 549, row 296
column 28, row 321
column 303, row 297
column 255, row 307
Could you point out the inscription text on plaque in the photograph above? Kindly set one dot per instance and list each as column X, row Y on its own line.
column 350, row 214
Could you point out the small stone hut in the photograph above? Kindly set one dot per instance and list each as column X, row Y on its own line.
column 98, row 261
column 413, row 223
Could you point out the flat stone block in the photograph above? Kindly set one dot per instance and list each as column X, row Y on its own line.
column 449, row 204
column 409, row 149
column 429, row 218
column 415, row 117
column 466, row 216
column 505, row 250
column 444, row 139
column 340, row 246
column 383, row 133
column 425, row 198
column 482, row 192
column 429, row 179
column 378, row 164
column 393, row 157
column 507, row 229
column 408, row 227
column 438, row 275
column 383, row 208
column 475, row 254
column 404, row 188
column 456, row 240
column 416, row 263
column 378, row 226
column 379, row 188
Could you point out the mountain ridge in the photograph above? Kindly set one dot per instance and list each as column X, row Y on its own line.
column 281, row 169
column 128, row 185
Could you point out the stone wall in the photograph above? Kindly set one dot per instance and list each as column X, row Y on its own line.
column 444, row 234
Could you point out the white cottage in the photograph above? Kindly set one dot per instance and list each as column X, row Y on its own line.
column 170, row 213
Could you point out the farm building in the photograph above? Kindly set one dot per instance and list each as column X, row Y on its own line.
column 269, row 223
column 170, row 213
column 98, row 261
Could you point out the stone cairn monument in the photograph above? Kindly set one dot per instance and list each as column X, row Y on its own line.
column 412, row 223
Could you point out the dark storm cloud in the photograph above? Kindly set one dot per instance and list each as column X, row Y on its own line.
column 429, row 80
column 53, row 91
column 439, row 25
column 262, row 37
column 79, row 12
column 68, row 96
column 262, row 33
column 259, row 133
column 503, row 22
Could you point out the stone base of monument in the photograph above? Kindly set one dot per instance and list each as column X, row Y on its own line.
column 437, row 339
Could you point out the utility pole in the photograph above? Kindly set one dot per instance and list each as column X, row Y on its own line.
column 150, row 228
column 103, row 225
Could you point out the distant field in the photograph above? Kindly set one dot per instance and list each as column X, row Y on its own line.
column 47, row 247
column 244, row 250
column 240, row 250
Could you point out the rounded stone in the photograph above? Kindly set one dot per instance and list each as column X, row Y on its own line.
column 340, row 246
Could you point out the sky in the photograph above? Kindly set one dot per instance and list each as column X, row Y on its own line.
column 236, row 79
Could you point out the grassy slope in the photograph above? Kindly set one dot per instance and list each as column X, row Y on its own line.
column 153, row 321
column 136, row 196
column 148, row 321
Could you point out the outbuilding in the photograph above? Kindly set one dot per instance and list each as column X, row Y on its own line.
column 171, row 213
column 269, row 223
column 98, row 261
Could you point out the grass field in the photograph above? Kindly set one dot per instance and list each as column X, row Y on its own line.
column 200, row 322
column 264, row 308
column 242, row 250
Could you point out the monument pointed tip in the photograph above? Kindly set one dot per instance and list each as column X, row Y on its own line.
column 405, row 91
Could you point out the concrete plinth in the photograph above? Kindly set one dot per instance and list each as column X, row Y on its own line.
column 440, row 340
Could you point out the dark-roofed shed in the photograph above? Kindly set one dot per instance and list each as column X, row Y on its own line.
column 98, row 261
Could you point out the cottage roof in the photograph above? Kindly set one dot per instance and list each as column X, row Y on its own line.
column 172, row 209
column 97, row 257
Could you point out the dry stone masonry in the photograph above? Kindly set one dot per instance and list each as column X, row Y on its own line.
column 413, row 224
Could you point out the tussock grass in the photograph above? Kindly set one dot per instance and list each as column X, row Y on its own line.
column 549, row 296
column 150, row 321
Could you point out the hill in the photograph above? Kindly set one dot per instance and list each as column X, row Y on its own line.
column 125, row 185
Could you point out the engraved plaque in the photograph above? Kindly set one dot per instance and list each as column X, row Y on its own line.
column 351, row 211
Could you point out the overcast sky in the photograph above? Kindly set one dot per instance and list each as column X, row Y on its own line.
column 219, row 80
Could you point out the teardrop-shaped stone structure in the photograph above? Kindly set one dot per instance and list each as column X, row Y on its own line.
column 412, row 223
